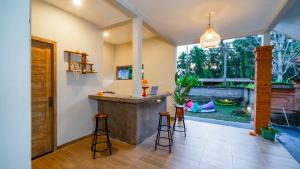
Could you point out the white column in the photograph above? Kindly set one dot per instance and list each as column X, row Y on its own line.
column 137, row 27
column 15, row 86
column 266, row 39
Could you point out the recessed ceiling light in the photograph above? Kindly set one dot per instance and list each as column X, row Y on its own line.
column 105, row 34
column 77, row 2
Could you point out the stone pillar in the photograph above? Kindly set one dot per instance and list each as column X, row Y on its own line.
column 263, row 85
column 137, row 27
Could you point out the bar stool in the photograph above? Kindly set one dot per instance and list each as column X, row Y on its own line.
column 168, row 129
column 101, row 132
column 175, row 119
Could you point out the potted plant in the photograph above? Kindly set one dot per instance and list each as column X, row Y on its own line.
column 268, row 132
column 184, row 83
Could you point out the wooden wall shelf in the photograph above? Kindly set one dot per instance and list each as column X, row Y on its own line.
column 83, row 66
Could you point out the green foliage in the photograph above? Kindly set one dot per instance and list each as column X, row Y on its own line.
column 198, row 59
column 183, row 62
column 184, row 84
column 232, row 85
column 241, row 63
column 250, row 86
column 235, row 59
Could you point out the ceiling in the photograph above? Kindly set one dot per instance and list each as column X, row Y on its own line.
column 123, row 34
column 185, row 20
column 289, row 22
column 179, row 21
column 103, row 15
column 96, row 11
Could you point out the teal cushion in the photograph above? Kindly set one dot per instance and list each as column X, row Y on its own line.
column 195, row 107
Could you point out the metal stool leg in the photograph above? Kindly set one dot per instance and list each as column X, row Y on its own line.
column 170, row 129
column 169, row 133
column 107, row 136
column 158, row 133
column 95, row 141
column 174, row 124
column 184, row 126
column 161, row 128
column 94, row 136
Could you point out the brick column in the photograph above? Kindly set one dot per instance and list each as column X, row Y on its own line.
column 263, row 85
column 297, row 94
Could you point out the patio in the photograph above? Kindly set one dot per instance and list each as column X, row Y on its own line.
column 207, row 146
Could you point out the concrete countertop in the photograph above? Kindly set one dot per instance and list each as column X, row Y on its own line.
column 127, row 98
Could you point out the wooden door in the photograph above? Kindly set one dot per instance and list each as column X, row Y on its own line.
column 42, row 98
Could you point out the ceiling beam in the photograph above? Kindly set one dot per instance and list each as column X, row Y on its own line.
column 131, row 11
column 124, row 7
column 285, row 7
column 116, row 25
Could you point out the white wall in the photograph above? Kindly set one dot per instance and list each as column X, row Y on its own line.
column 74, row 110
column 108, row 64
column 159, row 59
column 15, row 92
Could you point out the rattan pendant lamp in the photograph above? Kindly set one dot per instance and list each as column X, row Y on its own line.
column 210, row 38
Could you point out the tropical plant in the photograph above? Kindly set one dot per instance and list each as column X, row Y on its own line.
column 184, row 84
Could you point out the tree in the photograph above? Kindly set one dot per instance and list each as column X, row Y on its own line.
column 198, row 58
column 243, row 61
column 214, row 63
column 238, row 55
column 183, row 63
column 284, row 53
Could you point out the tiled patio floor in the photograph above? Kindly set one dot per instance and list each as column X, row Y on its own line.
column 207, row 146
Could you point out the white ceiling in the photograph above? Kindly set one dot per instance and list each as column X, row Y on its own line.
column 185, row 20
column 102, row 14
column 180, row 21
column 289, row 22
column 123, row 34
column 95, row 11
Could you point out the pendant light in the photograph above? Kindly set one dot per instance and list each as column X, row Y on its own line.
column 210, row 38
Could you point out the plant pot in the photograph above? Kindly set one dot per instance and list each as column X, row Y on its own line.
column 144, row 94
column 268, row 133
column 179, row 112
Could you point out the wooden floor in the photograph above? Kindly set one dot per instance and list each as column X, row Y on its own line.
column 207, row 146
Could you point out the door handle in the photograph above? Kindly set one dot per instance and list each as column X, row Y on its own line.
column 50, row 101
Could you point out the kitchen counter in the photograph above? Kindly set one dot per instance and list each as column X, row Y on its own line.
column 127, row 98
column 132, row 119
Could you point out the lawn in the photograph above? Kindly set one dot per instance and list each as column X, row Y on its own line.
column 225, row 113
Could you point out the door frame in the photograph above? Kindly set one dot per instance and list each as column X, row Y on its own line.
column 53, row 59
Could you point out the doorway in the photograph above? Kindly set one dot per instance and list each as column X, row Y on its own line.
column 43, row 96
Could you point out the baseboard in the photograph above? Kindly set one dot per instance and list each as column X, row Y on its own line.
column 74, row 141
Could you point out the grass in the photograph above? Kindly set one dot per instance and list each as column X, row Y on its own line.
column 225, row 113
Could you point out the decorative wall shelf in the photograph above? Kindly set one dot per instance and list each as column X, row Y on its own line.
column 80, row 65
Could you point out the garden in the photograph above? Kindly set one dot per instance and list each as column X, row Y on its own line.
column 230, row 100
column 235, row 113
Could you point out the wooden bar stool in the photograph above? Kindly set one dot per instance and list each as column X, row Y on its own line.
column 182, row 119
column 101, row 132
column 164, row 128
